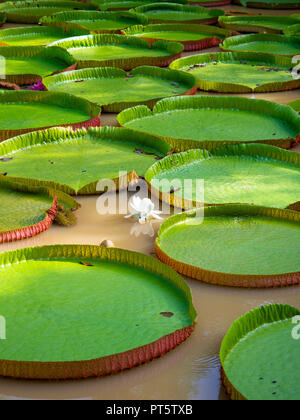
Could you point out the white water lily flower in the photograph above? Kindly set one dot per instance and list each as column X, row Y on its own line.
column 142, row 229
column 143, row 209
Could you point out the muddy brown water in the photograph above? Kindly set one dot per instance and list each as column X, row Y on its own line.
column 191, row 371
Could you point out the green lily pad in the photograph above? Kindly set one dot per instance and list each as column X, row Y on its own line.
column 28, row 210
column 128, row 4
column 36, row 35
column 239, row 72
column 115, row 90
column 177, row 13
column 74, row 162
column 295, row 105
column 270, row 24
column 270, row 4
column 265, row 43
column 258, row 355
column 119, row 51
column 193, row 37
column 85, row 311
column 24, row 111
column 208, row 122
column 246, row 173
column 95, row 22
column 27, row 65
column 293, row 30
column 206, row 245
column 31, row 11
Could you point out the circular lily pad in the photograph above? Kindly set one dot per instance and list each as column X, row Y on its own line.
column 258, row 355
column 207, row 122
column 265, row 43
column 25, row 111
column 295, row 105
column 78, row 160
column 128, row 4
column 119, row 51
column 28, row 210
column 193, row 37
column 31, row 11
column 270, row 4
column 95, row 22
column 27, row 65
column 206, row 245
column 88, row 311
column 115, row 90
column 253, row 173
column 239, row 72
column 177, row 13
column 293, row 30
column 36, row 35
column 270, row 24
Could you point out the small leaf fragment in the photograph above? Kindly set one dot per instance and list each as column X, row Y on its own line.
column 167, row 314
column 86, row 264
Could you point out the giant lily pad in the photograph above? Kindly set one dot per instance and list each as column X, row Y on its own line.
column 36, row 35
column 115, row 90
column 128, row 4
column 271, row 24
column 25, row 111
column 293, row 30
column 74, row 162
column 97, row 326
column 176, row 13
column 88, row 311
column 27, row 65
column 95, row 22
column 240, row 72
column 208, row 122
column 193, row 37
column 119, row 51
column 234, row 245
column 295, row 105
column 28, row 210
column 270, row 4
column 246, row 173
column 258, row 355
column 265, row 43
column 31, row 11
